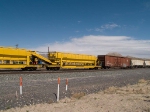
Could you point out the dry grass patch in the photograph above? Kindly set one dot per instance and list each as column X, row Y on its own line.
column 142, row 81
column 50, row 101
column 111, row 90
column 78, row 95
column 139, row 91
column 140, row 88
column 147, row 110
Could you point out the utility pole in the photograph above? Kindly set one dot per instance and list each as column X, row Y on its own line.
column 48, row 49
column 16, row 45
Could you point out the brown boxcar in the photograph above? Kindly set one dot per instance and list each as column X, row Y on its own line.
column 108, row 61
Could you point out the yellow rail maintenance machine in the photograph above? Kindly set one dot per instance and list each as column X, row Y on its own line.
column 16, row 58
column 71, row 61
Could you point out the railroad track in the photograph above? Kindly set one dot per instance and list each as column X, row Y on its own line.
column 41, row 71
column 59, row 71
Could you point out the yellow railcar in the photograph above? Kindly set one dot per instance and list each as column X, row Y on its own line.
column 15, row 58
column 71, row 61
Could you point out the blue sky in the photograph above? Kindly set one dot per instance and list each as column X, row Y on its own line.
column 81, row 26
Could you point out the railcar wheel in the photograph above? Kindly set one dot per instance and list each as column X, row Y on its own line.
column 56, row 68
column 47, row 68
column 23, row 69
column 34, row 68
column 31, row 69
column 96, row 68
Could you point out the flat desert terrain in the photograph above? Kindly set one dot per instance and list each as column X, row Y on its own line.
column 131, row 98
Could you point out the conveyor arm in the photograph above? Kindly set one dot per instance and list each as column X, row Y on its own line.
column 40, row 57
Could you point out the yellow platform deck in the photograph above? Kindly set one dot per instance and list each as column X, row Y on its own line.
column 70, row 60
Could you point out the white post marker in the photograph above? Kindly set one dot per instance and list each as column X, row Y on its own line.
column 66, row 84
column 58, row 89
column 21, row 85
column 16, row 95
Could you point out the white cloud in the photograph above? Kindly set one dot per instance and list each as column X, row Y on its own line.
column 99, row 45
column 89, row 30
column 107, row 27
column 99, row 29
column 77, row 31
column 79, row 21
column 147, row 4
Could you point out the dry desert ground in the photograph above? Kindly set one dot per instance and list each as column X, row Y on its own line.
column 131, row 98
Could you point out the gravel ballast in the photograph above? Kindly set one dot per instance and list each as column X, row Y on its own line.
column 42, row 87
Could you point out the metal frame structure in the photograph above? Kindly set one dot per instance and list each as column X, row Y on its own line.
column 71, row 61
column 15, row 58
